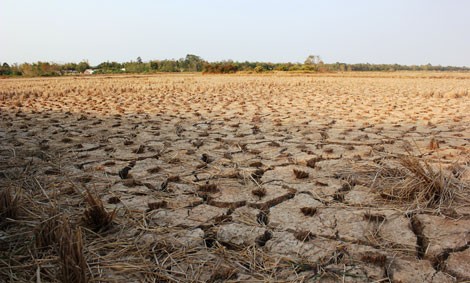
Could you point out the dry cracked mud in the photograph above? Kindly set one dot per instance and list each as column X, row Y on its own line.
column 234, row 178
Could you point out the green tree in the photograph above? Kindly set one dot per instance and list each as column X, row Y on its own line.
column 259, row 69
column 193, row 63
column 154, row 65
column 5, row 70
column 82, row 66
column 312, row 60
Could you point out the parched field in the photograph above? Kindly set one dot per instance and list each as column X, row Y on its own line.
column 239, row 178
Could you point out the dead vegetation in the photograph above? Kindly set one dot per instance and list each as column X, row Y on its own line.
column 157, row 205
column 304, row 236
column 71, row 255
column 56, row 234
column 10, row 204
column 412, row 180
column 308, row 211
column 299, row 174
column 95, row 216
column 259, row 192
column 208, row 188
column 159, row 219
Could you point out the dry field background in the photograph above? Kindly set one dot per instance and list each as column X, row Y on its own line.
column 190, row 178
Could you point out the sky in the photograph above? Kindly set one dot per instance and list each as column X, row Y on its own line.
column 361, row 31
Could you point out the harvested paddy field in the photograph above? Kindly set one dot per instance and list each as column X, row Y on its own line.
column 215, row 178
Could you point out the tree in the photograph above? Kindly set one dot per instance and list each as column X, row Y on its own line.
column 139, row 60
column 193, row 63
column 154, row 65
column 259, row 69
column 82, row 66
column 312, row 60
column 5, row 69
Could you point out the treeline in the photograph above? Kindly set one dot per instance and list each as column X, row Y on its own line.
column 193, row 63
column 43, row 69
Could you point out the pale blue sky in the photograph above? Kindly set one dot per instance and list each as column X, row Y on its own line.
column 374, row 31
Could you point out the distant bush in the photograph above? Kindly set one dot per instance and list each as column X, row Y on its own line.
column 259, row 69
column 220, row 68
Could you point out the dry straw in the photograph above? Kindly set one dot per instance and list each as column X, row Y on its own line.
column 411, row 180
column 10, row 206
column 72, row 259
column 96, row 216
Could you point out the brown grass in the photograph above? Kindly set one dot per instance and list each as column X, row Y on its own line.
column 433, row 144
column 304, row 236
column 154, row 170
column 208, row 188
column 157, row 205
column 412, row 180
column 10, row 204
column 374, row 258
column 425, row 185
column 299, row 174
column 260, row 192
column 73, row 263
column 308, row 211
column 114, row 200
column 312, row 161
column 47, row 233
column 95, row 216
column 56, row 233
column 222, row 274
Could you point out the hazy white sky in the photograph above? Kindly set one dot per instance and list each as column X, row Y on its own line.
column 360, row 31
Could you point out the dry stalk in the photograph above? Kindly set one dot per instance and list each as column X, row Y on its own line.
column 10, row 204
column 299, row 174
column 73, row 263
column 423, row 184
column 412, row 180
column 47, row 232
column 96, row 216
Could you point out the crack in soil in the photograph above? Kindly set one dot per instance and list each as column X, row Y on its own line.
column 422, row 242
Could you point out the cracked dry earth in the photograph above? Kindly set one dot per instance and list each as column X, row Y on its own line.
column 235, row 178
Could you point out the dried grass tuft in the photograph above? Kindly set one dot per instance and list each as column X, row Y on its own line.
column 73, row 263
column 308, row 211
column 299, row 174
column 374, row 258
column 222, row 274
column 114, row 200
column 423, row 184
column 56, row 231
column 260, row 192
column 96, row 216
column 312, row 161
column 304, row 236
column 412, row 180
column 10, row 204
column 433, row 144
column 174, row 178
column 157, row 205
column 47, row 233
column 208, row 188
column 256, row 164
column 154, row 170
column 374, row 217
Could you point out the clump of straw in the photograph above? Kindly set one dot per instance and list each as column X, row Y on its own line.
column 412, row 180
column 73, row 263
column 10, row 204
column 96, row 216
column 68, row 243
